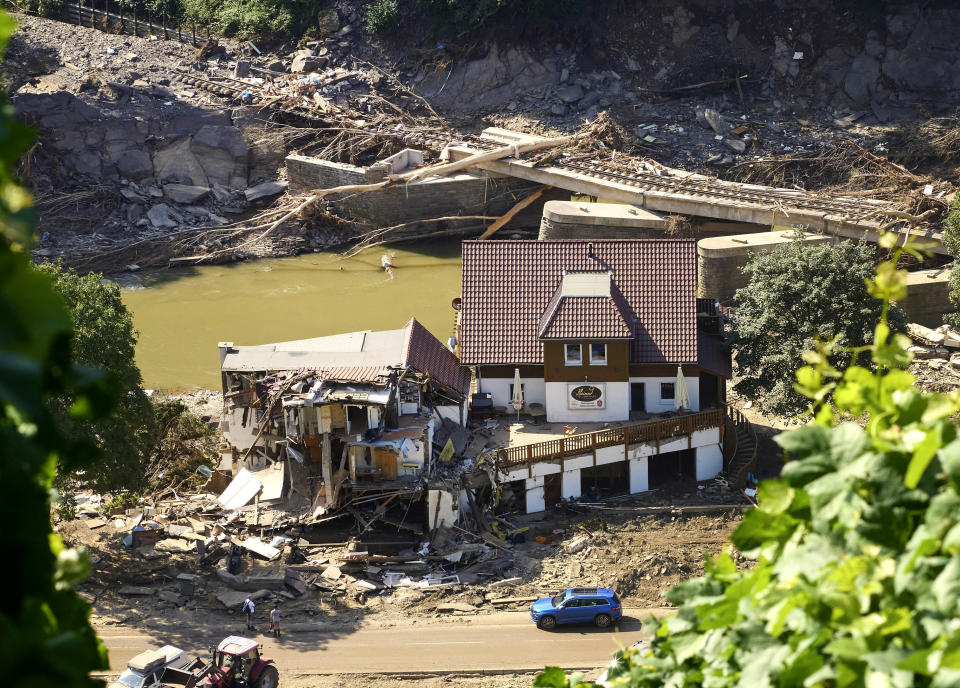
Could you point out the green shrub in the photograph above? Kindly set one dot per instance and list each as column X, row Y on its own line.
column 382, row 17
column 797, row 294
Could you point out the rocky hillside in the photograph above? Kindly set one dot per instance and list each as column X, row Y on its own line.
column 131, row 150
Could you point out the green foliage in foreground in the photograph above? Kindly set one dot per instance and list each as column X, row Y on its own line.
column 45, row 634
column 856, row 582
column 797, row 294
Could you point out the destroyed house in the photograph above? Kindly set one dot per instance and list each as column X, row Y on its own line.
column 344, row 415
column 596, row 331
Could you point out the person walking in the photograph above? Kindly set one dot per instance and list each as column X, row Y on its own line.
column 248, row 609
column 275, row 621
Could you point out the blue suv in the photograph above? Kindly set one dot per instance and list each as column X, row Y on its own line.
column 599, row 606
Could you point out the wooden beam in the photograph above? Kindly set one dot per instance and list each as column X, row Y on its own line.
column 504, row 219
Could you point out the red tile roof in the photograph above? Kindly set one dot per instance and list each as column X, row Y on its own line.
column 507, row 286
column 424, row 352
column 582, row 317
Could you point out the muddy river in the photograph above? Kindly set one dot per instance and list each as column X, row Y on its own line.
column 182, row 314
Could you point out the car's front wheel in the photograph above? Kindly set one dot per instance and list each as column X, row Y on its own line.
column 547, row 623
column 602, row 620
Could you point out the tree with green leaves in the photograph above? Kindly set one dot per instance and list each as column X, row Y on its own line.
column 797, row 294
column 855, row 580
column 104, row 337
column 45, row 634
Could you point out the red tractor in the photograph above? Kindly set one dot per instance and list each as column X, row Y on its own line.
column 236, row 663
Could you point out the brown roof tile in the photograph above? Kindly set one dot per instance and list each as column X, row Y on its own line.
column 507, row 286
column 425, row 353
column 580, row 317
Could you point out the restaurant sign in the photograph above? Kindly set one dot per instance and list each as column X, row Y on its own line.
column 584, row 396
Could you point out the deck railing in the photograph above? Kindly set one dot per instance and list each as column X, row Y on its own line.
column 570, row 445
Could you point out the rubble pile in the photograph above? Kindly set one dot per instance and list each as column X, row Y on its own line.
column 191, row 553
column 936, row 357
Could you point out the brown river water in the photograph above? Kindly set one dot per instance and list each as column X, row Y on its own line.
column 181, row 314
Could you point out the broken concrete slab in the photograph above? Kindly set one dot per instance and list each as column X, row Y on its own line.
column 255, row 193
column 185, row 193
column 258, row 546
column 240, row 491
column 331, row 573
column 231, row 599
column 175, row 546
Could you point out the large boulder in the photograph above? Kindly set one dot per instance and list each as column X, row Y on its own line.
column 490, row 81
column 134, row 163
column 307, row 63
column 222, row 152
column 176, row 164
column 185, row 193
column 861, row 80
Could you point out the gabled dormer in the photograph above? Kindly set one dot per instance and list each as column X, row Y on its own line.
column 586, row 329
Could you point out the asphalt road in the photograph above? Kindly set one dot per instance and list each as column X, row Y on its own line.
column 498, row 642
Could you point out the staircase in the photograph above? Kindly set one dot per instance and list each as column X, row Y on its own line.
column 740, row 448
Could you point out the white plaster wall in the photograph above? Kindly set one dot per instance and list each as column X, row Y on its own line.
column 576, row 462
column 709, row 461
column 610, row 454
column 535, row 495
column 638, row 475
column 617, row 404
column 651, row 392
column 570, row 487
column 533, row 390
column 546, row 468
column 702, row 438
column 451, row 412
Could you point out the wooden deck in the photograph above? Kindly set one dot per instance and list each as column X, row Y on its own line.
column 571, row 445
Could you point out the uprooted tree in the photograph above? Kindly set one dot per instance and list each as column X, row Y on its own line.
column 45, row 633
column 797, row 294
column 104, row 337
column 856, row 547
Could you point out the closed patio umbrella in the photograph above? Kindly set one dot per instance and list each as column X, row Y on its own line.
column 681, row 397
column 517, row 392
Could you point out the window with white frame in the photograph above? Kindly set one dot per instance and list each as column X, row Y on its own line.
column 667, row 391
column 574, row 357
column 598, row 354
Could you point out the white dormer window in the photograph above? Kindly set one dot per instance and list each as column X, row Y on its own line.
column 574, row 357
column 598, row 354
